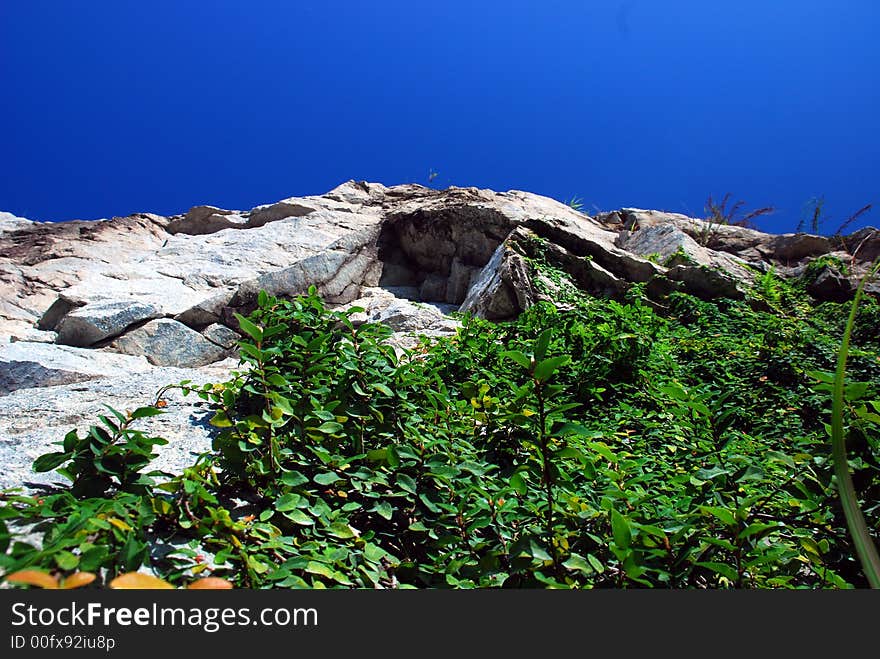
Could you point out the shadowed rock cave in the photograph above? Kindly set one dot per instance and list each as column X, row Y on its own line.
column 434, row 255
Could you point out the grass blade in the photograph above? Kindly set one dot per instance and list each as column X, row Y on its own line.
column 855, row 520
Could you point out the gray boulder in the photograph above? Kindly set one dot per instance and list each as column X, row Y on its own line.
column 503, row 288
column 87, row 325
column 166, row 342
column 830, row 285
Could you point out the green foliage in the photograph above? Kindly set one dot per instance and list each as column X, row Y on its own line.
column 779, row 295
column 598, row 445
column 817, row 265
column 679, row 257
column 575, row 203
column 109, row 455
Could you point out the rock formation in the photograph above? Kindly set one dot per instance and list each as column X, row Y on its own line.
column 109, row 311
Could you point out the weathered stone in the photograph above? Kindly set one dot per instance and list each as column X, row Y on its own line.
column 222, row 336
column 262, row 215
column 26, row 365
column 206, row 312
column 662, row 240
column 584, row 239
column 433, row 289
column 96, row 321
column 503, row 288
column 830, row 285
column 201, row 220
column 797, row 246
column 461, row 277
column 409, row 316
column 864, row 244
column 166, row 342
column 705, row 283
column 59, row 309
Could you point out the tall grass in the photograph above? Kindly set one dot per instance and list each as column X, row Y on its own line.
column 855, row 520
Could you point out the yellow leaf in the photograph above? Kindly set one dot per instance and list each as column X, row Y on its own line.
column 77, row 580
column 210, row 583
column 33, row 578
column 139, row 581
column 119, row 524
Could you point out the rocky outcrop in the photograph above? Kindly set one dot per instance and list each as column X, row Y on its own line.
column 121, row 306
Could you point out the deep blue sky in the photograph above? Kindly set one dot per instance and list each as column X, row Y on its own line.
column 114, row 107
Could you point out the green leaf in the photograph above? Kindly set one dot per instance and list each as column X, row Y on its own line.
column 255, row 332
column 430, row 505
column 724, row 570
column 71, row 439
column 602, row 449
column 518, row 357
column 393, row 458
column 572, row 429
column 251, row 350
column 49, row 461
column 518, row 483
column 578, row 563
column 821, row 376
column 341, row 530
column 546, row 368
column 287, row 502
column 329, row 427
column 66, row 560
column 293, row 478
column 299, row 517
column 754, row 529
column 322, row 570
column 257, row 565
column 620, row 529
column 383, row 389
column 277, row 380
column 406, row 483
column 384, row 509
column 536, row 551
column 856, row 390
column 220, row 420
column 93, row 558
column 727, row 518
column 327, row 478
column 675, row 391
column 542, row 342
column 143, row 412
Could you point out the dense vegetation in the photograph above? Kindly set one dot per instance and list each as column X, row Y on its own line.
column 603, row 444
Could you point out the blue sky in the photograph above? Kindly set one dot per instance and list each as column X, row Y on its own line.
column 114, row 107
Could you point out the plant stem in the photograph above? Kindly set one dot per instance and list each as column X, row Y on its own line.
column 546, row 478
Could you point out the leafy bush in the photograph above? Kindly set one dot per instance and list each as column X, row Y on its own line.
column 597, row 446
